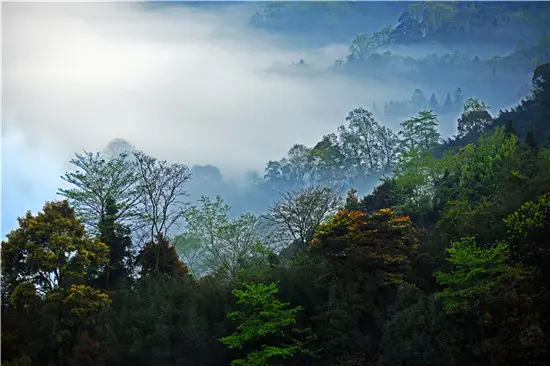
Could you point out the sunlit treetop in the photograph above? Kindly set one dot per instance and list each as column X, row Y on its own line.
column 381, row 241
column 51, row 250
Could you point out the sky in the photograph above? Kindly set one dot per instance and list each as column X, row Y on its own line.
column 182, row 85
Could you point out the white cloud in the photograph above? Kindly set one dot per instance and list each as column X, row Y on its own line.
column 181, row 84
column 184, row 84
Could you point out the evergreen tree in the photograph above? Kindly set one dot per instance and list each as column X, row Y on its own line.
column 448, row 102
column 117, row 237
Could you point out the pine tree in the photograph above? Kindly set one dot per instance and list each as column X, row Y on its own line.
column 448, row 102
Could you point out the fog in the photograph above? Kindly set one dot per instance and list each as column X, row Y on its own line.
column 189, row 85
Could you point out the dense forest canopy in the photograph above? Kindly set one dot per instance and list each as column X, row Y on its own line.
column 413, row 232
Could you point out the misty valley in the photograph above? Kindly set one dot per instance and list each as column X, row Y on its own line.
column 276, row 183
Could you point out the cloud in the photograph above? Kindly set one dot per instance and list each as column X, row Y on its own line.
column 182, row 84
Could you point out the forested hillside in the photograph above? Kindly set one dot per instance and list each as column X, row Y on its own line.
column 444, row 263
column 457, row 21
column 409, row 245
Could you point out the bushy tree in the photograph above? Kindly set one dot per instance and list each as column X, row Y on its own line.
column 421, row 131
column 264, row 319
column 44, row 265
column 365, row 259
column 475, row 117
column 160, row 258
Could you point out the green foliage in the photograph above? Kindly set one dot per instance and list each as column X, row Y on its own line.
column 477, row 273
column 484, row 290
column 415, row 180
column 419, row 332
column 44, row 264
column 475, row 118
column 365, row 258
column 166, row 321
column 361, row 280
column 50, row 250
column 219, row 243
column 98, row 179
column 368, row 146
column 420, row 131
column 382, row 242
column 83, row 304
column 263, row 316
column 528, row 236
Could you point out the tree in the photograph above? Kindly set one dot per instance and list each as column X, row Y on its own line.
column 383, row 37
column 390, row 148
column 50, row 250
column 97, row 179
column 475, row 104
column 44, row 264
column 117, row 237
column 448, row 102
column 474, row 273
column 419, row 332
column 160, row 188
column 301, row 172
column 264, row 316
column 527, row 229
column 297, row 170
column 191, row 253
column 414, row 184
column 458, row 98
column 297, row 213
column 361, row 46
column 225, row 245
column 381, row 197
column 86, row 352
column 365, row 258
column 329, row 161
column 352, row 201
column 418, row 100
column 421, row 131
column 360, row 140
column 160, row 258
column 474, row 118
column 484, row 289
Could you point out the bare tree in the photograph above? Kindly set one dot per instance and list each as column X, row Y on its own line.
column 297, row 213
column 160, row 189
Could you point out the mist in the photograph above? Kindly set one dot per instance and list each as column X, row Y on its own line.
column 183, row 84
column 194, row 84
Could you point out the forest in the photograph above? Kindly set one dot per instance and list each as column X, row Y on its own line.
column 443, row 263
column 382, row 247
